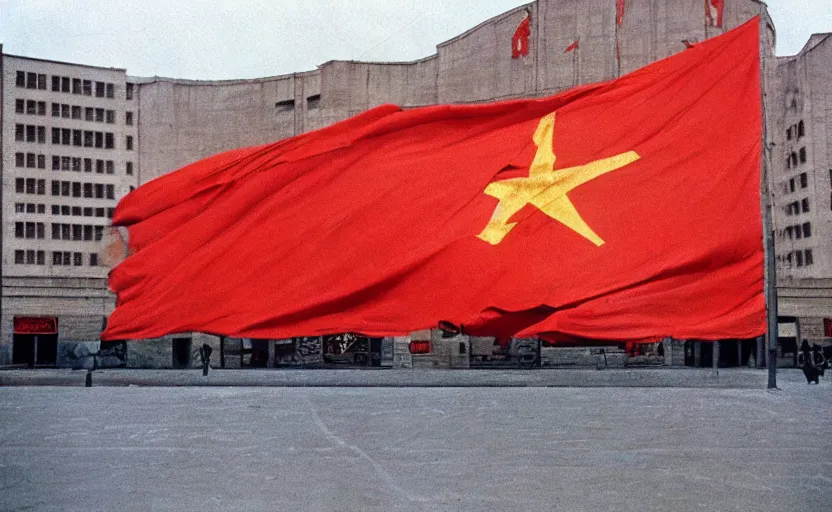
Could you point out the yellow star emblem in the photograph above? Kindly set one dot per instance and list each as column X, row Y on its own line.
column 546, row 188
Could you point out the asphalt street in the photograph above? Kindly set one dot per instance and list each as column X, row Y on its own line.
column 419, row 448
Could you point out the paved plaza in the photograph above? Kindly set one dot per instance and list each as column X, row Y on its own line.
column 417, row 448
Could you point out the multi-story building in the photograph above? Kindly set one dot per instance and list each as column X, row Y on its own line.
column 69, row 153
column 173, row 122
column 801, row 177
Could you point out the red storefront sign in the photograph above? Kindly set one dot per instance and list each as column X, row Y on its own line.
column 35, row 325
column 420, row 347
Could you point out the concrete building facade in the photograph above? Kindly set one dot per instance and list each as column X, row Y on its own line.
column 175, row 122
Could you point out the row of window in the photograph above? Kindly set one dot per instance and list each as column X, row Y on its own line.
column 79, row 211
column 798, row 207
column 59, row 209
column 792, row 159
column 65, row 188
column 77, row 232
column 29, row 230
column 64, row 258
column 797, row 130
column 68, row 137
column 791, row 186
column 97, row 115
column 31, row 80
column 66, row 163
column 798, row 231
column 798, row 258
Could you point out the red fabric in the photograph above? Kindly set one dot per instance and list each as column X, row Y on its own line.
column 573, row 46
column 827, row 327
column 370, row 225
column 713, row 12
column 520, row 39
column 620, row 6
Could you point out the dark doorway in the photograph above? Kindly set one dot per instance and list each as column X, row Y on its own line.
column 35, row 349
column 181, row 353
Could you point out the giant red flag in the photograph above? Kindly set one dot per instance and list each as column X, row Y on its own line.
column 625, row 210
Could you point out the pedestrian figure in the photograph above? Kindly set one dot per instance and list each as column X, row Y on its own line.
column 806, row 360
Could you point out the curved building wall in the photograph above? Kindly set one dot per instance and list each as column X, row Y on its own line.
column 181, row 121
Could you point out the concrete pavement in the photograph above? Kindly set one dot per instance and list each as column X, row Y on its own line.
column 416, row 449
column 636, row 377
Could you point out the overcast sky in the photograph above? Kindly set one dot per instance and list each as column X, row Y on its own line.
column 218, row 39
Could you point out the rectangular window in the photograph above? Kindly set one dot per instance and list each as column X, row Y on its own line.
column 110, row 192
column 18, row 230
column 65, row 111
column 88, row 165
column 809, row 258
column 20, row 185
column 77, row 232
column 108, row 140
column 20, row 160
column 87, row 85
column 30, row 230
column 99, row 166
column 87, row 189
column 41, row 108
column 99, row 212
column 56, row 188
column 30, row 207
column 76, row 211
column 65, row 188
column 804, row 180
column 799, row 257
column 76, row 189
column 111, row 116
column 42, row 81
column 99, row 139
column 31, row 134
column 129, row 142
column 56, row 210
column 99, row 89
column 19, row 106
column 77, row 259
column 41, row 187
column 66, row 162
column 18, row 257
column 129, row 92
column 41, row 207
column 129, row 168
column 110, row 212
column 56, row 135
column 64, row 210
column 56, row 163
column 64, row 84
column 77, row 138
column 805, row 204
column 41, row 258
column 76, row 164
column 99, row 191
column 89, row 139
column 31, row 183
column 128, row 118
column 31, row 160
column 110, row 167
column 66, row 136
column 802, row 155
column 87, row 232
column 57, row 259
column 807, row 229
column 89, row 114
column 56, row 231
column 67, row 256
column 56, row 110
column 76, row 86
column 56, row 84
column 93, row 259
column 87, row 210
column 19, row 132
column 31, row 80
column 41, row 134
column 41, row 161
column 31, row 107
column 21, row 80
column 110, row 91
column 41, row 228
column 30, row 257
column 798, row 233
column 19, row 207
column 99, row 115
column 66, row 233
column 76, row 112
column 99, row 233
